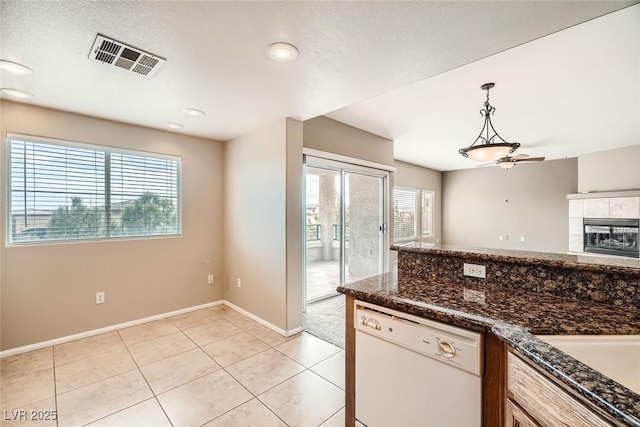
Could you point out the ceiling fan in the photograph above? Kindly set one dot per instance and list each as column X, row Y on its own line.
column 508, row 162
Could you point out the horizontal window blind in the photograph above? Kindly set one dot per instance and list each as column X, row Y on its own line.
column 426, row 213
column 404, row 213
column 144, row 195
column 63, row 191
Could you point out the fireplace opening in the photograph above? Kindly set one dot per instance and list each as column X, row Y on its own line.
column 611, row 236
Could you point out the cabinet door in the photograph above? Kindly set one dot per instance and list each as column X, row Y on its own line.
column 516, row 417
column 545, row 401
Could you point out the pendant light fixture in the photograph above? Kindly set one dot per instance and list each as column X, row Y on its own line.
column 488, row 146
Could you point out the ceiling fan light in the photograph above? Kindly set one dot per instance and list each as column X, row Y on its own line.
column 193, row 112
column 507, row 165
column 282, row 52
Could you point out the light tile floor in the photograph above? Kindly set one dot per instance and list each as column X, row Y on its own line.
column 212, row 367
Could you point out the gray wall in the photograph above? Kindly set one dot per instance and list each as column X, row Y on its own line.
column 325, row 134
column 611, row 170
column 527, row 201
column 48, row 291
column 263, row 223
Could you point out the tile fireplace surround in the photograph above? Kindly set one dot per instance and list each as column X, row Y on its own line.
column 618, row 204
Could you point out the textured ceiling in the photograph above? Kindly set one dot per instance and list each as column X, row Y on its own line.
column 349, row 52
column 570, row 93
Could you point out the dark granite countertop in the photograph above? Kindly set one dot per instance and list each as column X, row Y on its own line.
column 583, row 262
column 516, row 317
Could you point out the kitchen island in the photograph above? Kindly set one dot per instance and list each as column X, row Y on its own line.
column 523, row 295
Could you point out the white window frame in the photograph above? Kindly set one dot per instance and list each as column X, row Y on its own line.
column 432, row 197
column 108, row 194
column 415, row 210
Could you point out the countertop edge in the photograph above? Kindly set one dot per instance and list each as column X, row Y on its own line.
column 508, row 333
column 583, row 393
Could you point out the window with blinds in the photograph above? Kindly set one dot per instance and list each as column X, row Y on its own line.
column 61, row 191
column 404, row 213
column 426, row 213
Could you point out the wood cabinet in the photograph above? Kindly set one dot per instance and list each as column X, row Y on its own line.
column 534, row 400
column 516, row 417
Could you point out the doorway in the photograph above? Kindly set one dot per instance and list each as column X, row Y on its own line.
column 345, row 231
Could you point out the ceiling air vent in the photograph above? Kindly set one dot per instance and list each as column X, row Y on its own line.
column 128, row 58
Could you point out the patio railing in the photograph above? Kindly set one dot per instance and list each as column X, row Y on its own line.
column 313, row 232
column 336, row 232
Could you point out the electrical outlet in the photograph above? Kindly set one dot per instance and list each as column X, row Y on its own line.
column 475, row 270
column 238, row 283
column 99, row 297
column 210, row 279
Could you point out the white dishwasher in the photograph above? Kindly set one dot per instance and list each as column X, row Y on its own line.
column 414, row 372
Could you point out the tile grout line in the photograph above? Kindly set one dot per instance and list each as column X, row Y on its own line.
column 148, row 339
column 229, row 373
column 125, row 346
column 87, row 357
column 148, row 385
column 226, row 316
column 55, row 385
column 243, row 386
column 188, row 382
column 331, row 416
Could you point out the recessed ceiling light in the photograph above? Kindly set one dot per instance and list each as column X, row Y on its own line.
column 14, row 67
column 15, row 93
column 175, row 125
column 193, row 112
column 282, row 52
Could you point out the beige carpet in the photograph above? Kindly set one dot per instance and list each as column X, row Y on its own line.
column 325, row 319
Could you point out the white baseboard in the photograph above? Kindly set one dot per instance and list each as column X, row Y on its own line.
column 62, row 340
column 264, row 322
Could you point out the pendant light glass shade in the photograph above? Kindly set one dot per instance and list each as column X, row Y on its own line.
column 488, row 146
column 14, row 67
column 488, row 152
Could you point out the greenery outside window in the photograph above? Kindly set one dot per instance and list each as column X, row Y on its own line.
column 64, row 191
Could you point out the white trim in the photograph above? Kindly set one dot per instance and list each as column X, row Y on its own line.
column 346, row 159
column 62, row 340
column 604, row 194
column 88, row 146
column 264, row 322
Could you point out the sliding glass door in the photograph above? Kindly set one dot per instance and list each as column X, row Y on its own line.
column 323, row 220
column 345, row 225
column 364, row 226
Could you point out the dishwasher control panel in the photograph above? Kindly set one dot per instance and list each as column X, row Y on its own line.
column 449, row 344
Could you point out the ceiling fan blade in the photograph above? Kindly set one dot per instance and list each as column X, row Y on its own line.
column 484, row 165
column 520, row 156
column 530, row 159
